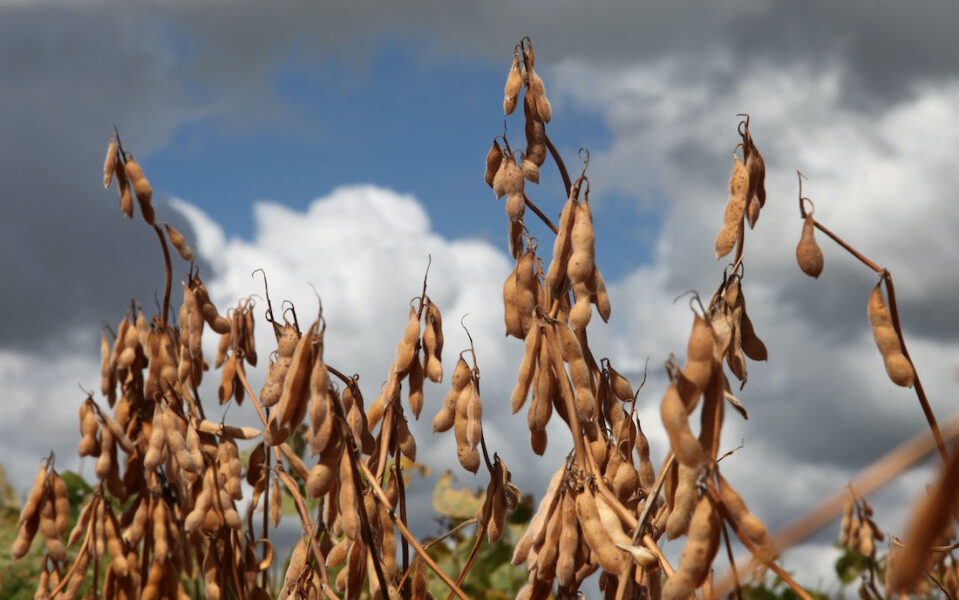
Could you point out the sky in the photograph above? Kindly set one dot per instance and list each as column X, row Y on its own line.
column 342, row 145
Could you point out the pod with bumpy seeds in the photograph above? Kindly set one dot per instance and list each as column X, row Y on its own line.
column 406, row 350
column 179, row 242
column 526, row 543
column 756, row 196
column 735, row 209
column 514, row 83
column 536, row 89
column 684, row 502
column 494, row 158
column 597, row 537
column 898, row 367
column 697, row 554
column 808, row 253
column 527, row 368
column 685, row 446
column 142, row 188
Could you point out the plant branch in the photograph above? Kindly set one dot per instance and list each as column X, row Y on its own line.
column 540, row 214
column 559, row 164
column 169, row 275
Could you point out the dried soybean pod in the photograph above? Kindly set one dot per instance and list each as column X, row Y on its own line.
column 514, row 83
column 31, row 506
column 61, row 504
column 109, row 162
column 685, row 446
column 582, row 261
column 107, row 376
column 118, row 558
column 123, row 186
column 684, row 502
column 348, row 500
column 142, row 188
column 699, row 361
column 322, row 476
column 808, row 253
column 620, row 385
column 697, row 554
column 562, row 247
column 568, row 541
column 465, row 451
column 579, row 373
column 474, row 415
column 887, row 340
column 82, row 521
column 179, row 242
column 494, row 158
column 549, row 552
column 536, row 89
column 444, row 419
column 88, row 446
column 293, row 399
column 752, row 346
column 527, row 368
column 48, row 527
column 597, row 537
column 155, row 456
column 603, row 307
column 735, row 209
column 756, row 196
column 416, row 377
column 406, row 350
column 525, row 543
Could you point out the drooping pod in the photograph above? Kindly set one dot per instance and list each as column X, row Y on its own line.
column 514, row 83
column 898, row 367
column 735, row 209
column 808, row 253
column 697, row 554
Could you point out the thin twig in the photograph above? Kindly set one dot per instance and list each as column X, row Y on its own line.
column 540, row 214
column 732, row 562
column 559, row 164
column 169, row 275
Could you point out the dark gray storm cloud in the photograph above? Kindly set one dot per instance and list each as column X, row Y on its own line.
column 70, row 258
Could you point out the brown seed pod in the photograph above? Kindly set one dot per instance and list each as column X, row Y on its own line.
column 685, row 446
column 142, row 188
column 582, row 261
column 88, row 446
column 569, row 541
column 808, row 253
column 735, row 209
column 756, row 196
column 295, row 395
column 601, row 297
column 406, row 350
column 549, row 552
column 48, row 527
column 562, row 247
column 527, row 368
column 514, row 83
column 697, row 554
column 465, row 451
column 582, row 310
column 123, row 186
column 537, row 524
column 474, row 415
column 348, row 500
column 416, row 378
column 535, row 135
column 536, row 89
column 494, row 158
column 579, row 373
column 898, row 367
column 109, row 162
column 179, row 242
column 596, row 535
column 684, row 502
column 61, row 503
